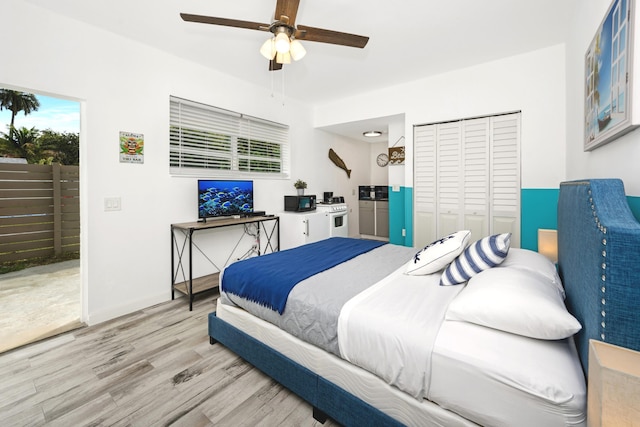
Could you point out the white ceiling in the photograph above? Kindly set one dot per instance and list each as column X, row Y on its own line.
column 409, row 39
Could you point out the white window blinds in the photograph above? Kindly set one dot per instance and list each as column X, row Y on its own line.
column 206, row 140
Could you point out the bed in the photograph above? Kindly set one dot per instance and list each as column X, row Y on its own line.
column 535, row 378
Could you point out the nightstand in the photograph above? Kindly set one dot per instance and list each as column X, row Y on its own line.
column 614, row 386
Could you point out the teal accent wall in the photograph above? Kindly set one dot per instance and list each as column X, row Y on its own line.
column 408, row 215
column 634, row 204
column 401, row 216
column 539, row 209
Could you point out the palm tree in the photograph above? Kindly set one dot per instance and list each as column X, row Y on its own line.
column 21, row 143
column 16, row 101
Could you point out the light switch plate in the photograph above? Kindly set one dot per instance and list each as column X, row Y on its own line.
column 112, row 204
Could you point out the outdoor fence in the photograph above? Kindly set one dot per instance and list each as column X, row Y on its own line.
column 39, row 211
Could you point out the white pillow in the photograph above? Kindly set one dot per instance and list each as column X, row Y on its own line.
column 525, row 259
column 437, row 255
column 481, row 255
column 516, row 301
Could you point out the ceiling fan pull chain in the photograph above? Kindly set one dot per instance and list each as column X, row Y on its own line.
column 282, row 86
column 272, row 94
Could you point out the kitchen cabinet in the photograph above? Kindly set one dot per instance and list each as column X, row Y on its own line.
column 374, row 218
column 382, row 218
column 299, row 228
column 367, row 217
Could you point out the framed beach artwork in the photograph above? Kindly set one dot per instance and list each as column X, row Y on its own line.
column 609, row 77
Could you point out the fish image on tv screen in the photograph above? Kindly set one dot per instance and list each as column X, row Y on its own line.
column 219, row 198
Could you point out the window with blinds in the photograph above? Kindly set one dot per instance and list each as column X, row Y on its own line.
column 205, row 140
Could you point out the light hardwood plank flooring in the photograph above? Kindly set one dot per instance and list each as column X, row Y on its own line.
column 149, row 368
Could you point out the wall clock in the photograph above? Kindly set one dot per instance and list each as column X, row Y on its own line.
column 382, row 159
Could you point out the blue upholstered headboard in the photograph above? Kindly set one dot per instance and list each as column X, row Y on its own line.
column 599, row 262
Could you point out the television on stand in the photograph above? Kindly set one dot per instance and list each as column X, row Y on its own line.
column 224, row 198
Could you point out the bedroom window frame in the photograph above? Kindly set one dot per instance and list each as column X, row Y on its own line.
column 209, row 141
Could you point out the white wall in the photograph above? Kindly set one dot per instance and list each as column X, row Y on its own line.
column 355, row 155
column 397, row 173
column 378, row 175
column 125, row 86
column 533, row 83
column 617, row 159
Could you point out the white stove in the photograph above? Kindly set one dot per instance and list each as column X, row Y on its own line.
column 331, row 207
column 338, row 218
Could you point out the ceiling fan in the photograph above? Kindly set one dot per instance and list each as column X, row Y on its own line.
column 284, row 45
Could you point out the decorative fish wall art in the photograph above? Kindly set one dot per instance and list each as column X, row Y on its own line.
column 339, row 162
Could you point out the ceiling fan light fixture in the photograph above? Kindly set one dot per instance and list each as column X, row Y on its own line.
column 283, row 43
column 372, row 133
column 268, row 49
column 296, row 50
column 283, row 58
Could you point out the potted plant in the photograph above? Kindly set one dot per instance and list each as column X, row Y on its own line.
column 300, row 186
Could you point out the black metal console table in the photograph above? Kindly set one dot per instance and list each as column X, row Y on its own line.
column 266, row 226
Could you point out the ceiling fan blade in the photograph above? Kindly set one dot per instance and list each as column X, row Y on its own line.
column 224, row 21
column 287, row 8
column 274, row 66
column 327, row 36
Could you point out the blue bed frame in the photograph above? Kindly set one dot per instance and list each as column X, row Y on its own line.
column 599, row 262
column 328, row 400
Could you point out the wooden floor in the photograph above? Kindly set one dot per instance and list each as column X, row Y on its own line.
column 153, row 367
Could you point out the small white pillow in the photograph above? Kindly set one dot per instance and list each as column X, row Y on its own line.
column 516, row 301
column 525, row 259
column 481, row 255
column 437, row 255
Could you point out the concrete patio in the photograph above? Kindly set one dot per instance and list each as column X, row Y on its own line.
column 39, row 302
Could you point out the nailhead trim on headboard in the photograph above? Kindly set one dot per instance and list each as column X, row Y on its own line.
column 603, row 265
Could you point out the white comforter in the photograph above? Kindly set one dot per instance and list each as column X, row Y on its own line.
column 396, row 346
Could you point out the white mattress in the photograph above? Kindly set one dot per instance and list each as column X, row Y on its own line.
column 360, row 383
column 495, row 377
column 470, row 376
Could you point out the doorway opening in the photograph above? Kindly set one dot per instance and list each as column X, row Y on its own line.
column 40, row 287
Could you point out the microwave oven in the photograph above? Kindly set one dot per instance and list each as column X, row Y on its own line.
column 299, row 203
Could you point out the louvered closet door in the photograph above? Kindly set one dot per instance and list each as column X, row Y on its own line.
column 424, row 186
column 467, row 176
column 475, row 177
column 505, row 176
column 448, row 178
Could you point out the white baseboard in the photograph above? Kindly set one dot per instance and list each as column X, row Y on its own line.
column 109, row 313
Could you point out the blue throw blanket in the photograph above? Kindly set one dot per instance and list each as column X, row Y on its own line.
column 268, row 279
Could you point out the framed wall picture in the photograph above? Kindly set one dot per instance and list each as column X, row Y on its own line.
column 609, row 61
column 131, row 147
column 396, row 155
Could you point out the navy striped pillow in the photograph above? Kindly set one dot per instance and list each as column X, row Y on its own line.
column 481, row 255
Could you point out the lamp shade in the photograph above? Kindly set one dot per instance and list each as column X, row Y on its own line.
column 548, row 244
column 268, row 49
column 282, row 43
column 296, row 50
column 614, row 386
column 283, row 58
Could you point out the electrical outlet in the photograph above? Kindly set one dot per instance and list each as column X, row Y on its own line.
column 404, row 232
column 112, row 204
